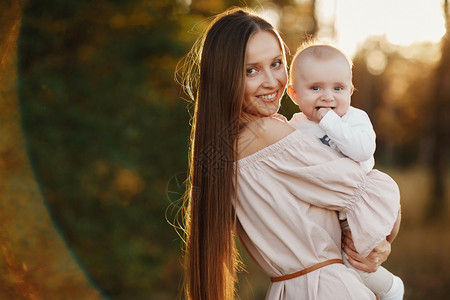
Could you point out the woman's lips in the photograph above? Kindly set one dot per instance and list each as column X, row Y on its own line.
column 268, row 97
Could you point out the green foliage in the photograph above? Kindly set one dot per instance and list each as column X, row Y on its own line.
column 106, row 130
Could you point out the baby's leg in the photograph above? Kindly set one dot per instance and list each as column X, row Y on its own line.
column 397, row 290
column 382, row 282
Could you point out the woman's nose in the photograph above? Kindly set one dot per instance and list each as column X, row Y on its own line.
column 269, row 79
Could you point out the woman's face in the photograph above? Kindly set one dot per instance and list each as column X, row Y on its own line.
column 265, row 76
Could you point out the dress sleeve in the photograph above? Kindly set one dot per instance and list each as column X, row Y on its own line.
column 322, row 178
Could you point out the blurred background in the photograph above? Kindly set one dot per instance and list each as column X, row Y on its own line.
column 94, row 136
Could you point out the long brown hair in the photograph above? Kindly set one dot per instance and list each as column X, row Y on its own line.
column 214, row 78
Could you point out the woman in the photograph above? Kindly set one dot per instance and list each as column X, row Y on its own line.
column 252, row 173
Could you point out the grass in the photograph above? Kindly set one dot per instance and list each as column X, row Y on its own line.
column 420, row 253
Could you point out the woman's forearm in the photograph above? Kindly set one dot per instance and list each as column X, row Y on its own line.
column 390, row 238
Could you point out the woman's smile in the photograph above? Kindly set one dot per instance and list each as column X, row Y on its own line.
column 268, row 97
column 266, row 75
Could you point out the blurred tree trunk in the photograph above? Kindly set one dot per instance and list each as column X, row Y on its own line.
column 297, row 21
column 440, row 126
column 34, row 261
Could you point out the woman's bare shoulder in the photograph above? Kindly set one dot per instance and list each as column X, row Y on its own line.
column 260, row 134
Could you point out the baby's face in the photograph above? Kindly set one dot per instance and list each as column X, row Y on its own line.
column 322, row 83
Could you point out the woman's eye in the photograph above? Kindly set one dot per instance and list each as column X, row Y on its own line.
column 251, row 71
column 277, row 64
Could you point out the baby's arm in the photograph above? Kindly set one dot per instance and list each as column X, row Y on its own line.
column 353, row 133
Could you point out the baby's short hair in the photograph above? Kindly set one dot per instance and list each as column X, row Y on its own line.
column 318, row 50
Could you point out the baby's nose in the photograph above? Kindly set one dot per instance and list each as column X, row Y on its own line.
column 327, row 95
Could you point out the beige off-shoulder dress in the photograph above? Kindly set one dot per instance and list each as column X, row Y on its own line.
column 288, row 195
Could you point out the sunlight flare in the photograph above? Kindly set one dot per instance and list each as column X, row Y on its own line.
column 402, row 22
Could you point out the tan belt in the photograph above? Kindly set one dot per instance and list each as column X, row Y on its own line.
column 307, row 270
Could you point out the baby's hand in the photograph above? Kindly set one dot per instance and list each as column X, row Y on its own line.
column 318, row 114
column 321, row 112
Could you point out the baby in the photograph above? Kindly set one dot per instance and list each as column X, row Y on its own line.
column 321, row 85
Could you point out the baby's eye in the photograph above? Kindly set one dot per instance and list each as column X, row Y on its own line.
column 315, row 88
column 338, row 88
column 251, row 71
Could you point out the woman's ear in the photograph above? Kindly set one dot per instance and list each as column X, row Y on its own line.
column 292, row 94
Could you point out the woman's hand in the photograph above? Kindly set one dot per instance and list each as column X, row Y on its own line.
column 370, row 263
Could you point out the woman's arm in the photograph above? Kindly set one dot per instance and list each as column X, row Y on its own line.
column 370, row 263
column 390, row 238
column 379, row 254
